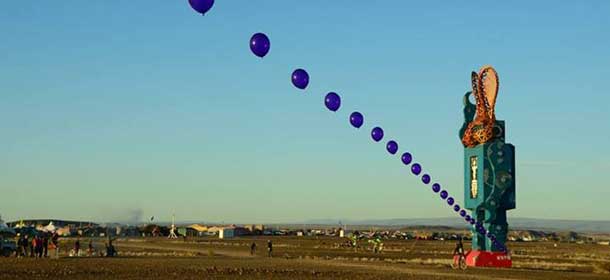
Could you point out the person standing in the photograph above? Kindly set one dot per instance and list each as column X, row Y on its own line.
column 77, row 247
column 90, row 248
column 39, row 246
column 269, row 248
column 33, row 247
column 55, row 242
column 45, row 245
column 26, row 245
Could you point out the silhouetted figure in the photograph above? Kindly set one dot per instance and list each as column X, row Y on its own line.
column 55, row 242
column 270, row 248
column 110, row 250
column 45, row 245
column 90, row 248
column 38, row 246
column 253, row 249
column 459, row 248
column 77, row 247
column 31, row 245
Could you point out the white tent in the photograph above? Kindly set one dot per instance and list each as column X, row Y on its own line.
column 49, row 228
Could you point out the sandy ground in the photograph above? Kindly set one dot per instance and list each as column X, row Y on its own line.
column 305, row 258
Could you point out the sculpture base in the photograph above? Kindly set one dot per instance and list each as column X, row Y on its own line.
column 488, row 259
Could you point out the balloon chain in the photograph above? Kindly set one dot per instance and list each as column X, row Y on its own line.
column 260, row 46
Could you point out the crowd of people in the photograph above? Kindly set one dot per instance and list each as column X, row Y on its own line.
column 37, row 246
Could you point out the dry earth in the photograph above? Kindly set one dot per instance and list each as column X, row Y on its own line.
column 305, row 258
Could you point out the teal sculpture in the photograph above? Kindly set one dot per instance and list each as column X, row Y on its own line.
column 489, row 172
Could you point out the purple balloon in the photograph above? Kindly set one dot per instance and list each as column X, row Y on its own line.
column 467, row 218
column 377, row 134
column 444, row 194
column 463, row 213
column 416, row 168
column 300, row 78
column 356, row 119
column 392, row 147
column 425, row 179
column 406, row 158
column 259, row 44
column 472, row 221
column 436, row 187
column 456, row 208
column 332, row 101
column 201, row 6
column 450, row 201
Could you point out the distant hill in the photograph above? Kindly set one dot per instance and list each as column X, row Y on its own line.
column 514, row 223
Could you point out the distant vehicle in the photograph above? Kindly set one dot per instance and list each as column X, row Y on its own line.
column 7, row 242
column 7, row 246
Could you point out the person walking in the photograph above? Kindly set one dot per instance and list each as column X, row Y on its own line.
column 253, row 249
column 269, row 248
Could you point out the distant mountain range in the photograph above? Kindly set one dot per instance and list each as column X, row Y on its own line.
column 514, row 223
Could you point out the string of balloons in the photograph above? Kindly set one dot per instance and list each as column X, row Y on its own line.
column 260, row 46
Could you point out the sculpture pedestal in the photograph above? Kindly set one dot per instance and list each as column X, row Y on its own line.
column 488, row 259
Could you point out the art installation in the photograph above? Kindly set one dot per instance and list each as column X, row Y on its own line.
column 489, row 171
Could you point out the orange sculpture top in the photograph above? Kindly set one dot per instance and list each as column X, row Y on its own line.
column 485, row 90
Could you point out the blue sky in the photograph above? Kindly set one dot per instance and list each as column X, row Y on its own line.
column 109, row 108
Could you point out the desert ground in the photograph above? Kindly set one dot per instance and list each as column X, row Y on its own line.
column 303, row 258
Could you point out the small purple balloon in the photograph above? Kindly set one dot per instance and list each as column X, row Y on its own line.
column 463, row 213
column 450, row 201
column 260, row 44
column 472, row 221
column 300, row 78
column 416, row 168
column 425, row 179
column 456, row 208
column 356, row 119
column 444, row 194
column 467, row 218
column 201, row 6
column 436, row 187
column 332, row 101
column 377, row 134
column 406, row 158
column 392, row 147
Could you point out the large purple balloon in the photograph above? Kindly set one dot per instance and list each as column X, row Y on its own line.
column 201, row 6
column 259, row 44
column 356, row 119
column 300, row 78
column 377, row 134
column 392, row 147
column 332, row 101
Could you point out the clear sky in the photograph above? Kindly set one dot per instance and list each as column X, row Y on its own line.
column 116, row 109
